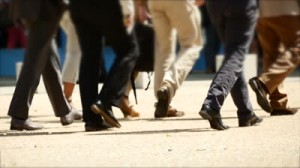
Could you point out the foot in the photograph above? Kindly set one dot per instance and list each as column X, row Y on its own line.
column 261, row 94
column 162, row 105
column 91, row 126
column 69, row 118
column 286, row 111
column 173, row 112
column 216, row 125
column 106, row 113
column 214, row 118
column 17, row 124
column 253, row 120
column 127, row 110
column 130, row 112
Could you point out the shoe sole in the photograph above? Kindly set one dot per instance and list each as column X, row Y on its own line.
column 204, row 115
column 177, row 114
column 256, row 121
column 87, row 129
column 212, row 123
column 252, row 122
column 66, row 123
column 262, row 102
column 16, row 128
column 280, row 114
column 217, row 126
column 291, row 111
column 21, row 129
column 107, row 119
column 162, row 104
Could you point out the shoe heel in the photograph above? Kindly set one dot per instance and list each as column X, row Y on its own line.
column 204, row 115
column 16, row 128
column 264, row 104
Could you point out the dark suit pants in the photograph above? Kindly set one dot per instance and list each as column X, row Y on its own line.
column 40, row 59
column 95, row 20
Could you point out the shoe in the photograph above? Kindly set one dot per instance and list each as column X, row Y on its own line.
column 20, row 125
column 253, row 120
column 214, row 124
column 287, row 111
column 128, row 111
column 162, row 105
column 69, row 118
column 90, row 127
column 106, row 113
column 172, row 112
column 214, row 118
column 261, row 94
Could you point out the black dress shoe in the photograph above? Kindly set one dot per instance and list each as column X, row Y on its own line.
column 69, row 118
column 286, row 111
column 162, row 105
column 106, row 113
column 17, row 124
column 214, row 118
column 253, row 120
column 91, row 126
column 261, row 94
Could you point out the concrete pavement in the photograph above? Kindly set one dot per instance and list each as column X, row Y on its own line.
column 147, row 142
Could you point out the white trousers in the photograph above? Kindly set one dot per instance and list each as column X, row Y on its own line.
column 172, row 19
column 70, row 70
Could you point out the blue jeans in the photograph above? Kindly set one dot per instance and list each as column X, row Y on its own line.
column 235, row 22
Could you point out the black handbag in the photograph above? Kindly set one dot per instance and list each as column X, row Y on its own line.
column 145, row 62
column 145, row 38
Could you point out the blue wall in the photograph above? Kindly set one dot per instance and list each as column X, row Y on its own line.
column 9, row 58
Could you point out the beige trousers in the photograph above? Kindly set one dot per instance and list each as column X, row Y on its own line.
column 71, row 66
column 171, row 20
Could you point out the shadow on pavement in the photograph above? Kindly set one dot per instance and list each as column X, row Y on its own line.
column 33, row 133
column 156, row 131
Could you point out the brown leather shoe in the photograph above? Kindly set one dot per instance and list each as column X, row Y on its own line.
column 286, row 111
column 20, row 125
column 128, row 111
column 261, row 94
column 173, row 112
column 105, row 112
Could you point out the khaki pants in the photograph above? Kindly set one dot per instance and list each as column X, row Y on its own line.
column 280, row 40
column 71, row 66
column 172, row 19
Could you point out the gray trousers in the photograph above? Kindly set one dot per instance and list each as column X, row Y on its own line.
column 235, row 23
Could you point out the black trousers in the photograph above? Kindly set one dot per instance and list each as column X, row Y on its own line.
column 235, row 23
column 40, row 59
column 95, row 20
